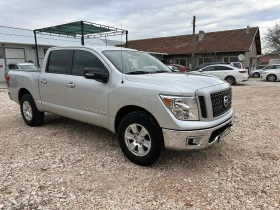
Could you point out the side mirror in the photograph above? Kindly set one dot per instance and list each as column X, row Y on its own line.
column 96, row 74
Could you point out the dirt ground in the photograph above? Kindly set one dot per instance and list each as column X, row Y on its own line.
column 66, row 164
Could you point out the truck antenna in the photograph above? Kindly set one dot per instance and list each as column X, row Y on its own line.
column 121, row 54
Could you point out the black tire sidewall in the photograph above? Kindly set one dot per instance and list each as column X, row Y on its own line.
column 155, row 133
column 30, row 100
column 256, row 75
column 233, row 80
column 275, row 78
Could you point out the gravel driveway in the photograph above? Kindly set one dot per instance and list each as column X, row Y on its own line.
column 65, row 164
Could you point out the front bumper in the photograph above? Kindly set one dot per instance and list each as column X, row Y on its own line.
column 196, row 139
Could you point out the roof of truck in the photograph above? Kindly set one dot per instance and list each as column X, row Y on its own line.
column 100, row 48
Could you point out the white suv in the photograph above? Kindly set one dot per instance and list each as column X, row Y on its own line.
column 228, row 73
column 272, row 74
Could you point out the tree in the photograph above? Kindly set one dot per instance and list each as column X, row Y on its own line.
column 272, row 39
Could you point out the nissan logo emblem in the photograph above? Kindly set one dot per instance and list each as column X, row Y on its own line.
column 225, row 101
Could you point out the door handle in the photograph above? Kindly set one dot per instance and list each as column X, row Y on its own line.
column 44, row 81
column 70, row 85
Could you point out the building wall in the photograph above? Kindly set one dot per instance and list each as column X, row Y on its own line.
column 251, row 60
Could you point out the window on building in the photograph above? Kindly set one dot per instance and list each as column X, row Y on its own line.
column 58, row 62
column 1, row 52
column 204, row 60
column 229, row 59
column 182, row 62
column 85, row 60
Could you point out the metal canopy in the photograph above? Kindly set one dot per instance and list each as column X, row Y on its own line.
column 79, row 29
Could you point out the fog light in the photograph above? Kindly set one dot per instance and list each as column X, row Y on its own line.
column 194, row 141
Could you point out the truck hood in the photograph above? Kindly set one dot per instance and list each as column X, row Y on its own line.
column 186, row 83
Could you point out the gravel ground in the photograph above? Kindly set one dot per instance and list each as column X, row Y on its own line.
column 65, row 164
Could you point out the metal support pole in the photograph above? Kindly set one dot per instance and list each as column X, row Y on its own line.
column 126, row 38
column 82, row 38
column 36, row 48
column 193, row 42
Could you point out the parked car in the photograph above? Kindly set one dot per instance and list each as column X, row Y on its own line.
column 228, row 73
column 180, row 67
column 257, row 73
column 271, row 75
column 238, row 65
column 207, row 64
column 149, row 108
column 173, row 68
column 21, row 66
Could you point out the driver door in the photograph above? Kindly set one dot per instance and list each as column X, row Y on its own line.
column 87, row 98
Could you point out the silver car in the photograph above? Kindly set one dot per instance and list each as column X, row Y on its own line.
column 257, row 73
column 21, row 66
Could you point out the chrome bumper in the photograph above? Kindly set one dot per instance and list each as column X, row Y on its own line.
column 197, row 139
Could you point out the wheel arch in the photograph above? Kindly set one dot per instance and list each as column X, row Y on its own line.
column 126, row 110
column 22, row 92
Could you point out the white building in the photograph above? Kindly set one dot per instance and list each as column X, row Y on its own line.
column 18, row 45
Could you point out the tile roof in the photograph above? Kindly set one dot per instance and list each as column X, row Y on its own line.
column 221, row 41
column 26, row 36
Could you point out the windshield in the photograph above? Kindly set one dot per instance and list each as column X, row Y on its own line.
column 130, row 62
column 28, row 67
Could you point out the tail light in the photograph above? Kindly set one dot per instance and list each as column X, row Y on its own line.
column 243, row 71
column 8, row 79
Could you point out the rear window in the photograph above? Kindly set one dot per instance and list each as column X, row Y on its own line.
column 238, row 65
column 58, row 62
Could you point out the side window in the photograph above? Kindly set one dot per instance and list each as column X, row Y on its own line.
column 209, row 68
column 269, row 67
column 219, row 68
column 278, row 67
column 83, row 60
column 238, row 65
column 227, row 68
column 13, row 66
column 58, row 62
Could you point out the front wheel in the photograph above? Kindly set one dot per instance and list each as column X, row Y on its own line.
column 140, row 138
column 30, row 114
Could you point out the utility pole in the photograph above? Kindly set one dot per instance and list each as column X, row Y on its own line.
column 193, row 42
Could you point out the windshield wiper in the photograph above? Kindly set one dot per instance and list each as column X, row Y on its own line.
column 159, row 71
column 138, row 72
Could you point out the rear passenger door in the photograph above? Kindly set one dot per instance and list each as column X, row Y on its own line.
column 277, row 68
column 88, row 98
column 222, row 71
column 52, row 82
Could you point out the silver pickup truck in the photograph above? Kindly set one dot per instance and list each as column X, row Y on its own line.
column 129, row 92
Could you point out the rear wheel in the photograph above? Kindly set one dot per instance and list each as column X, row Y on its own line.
column 271, row 78
column 30, row 114
column 140, row 138
column 231, row 80
column 256, row 75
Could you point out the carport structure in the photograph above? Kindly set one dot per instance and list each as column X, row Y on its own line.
column 79, row 30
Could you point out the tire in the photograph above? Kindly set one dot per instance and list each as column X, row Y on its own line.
column 271, row 78
column 256, row 75
column 146, row 149
column 29, row 112
column 231, row 80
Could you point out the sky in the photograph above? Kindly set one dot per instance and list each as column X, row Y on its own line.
column 143, row 18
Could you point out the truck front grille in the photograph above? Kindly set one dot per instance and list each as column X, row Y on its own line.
column 221, row 102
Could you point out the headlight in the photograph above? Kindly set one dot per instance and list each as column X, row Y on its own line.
column 183, row 108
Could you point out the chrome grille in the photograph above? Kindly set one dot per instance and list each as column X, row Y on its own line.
column 218, row 105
